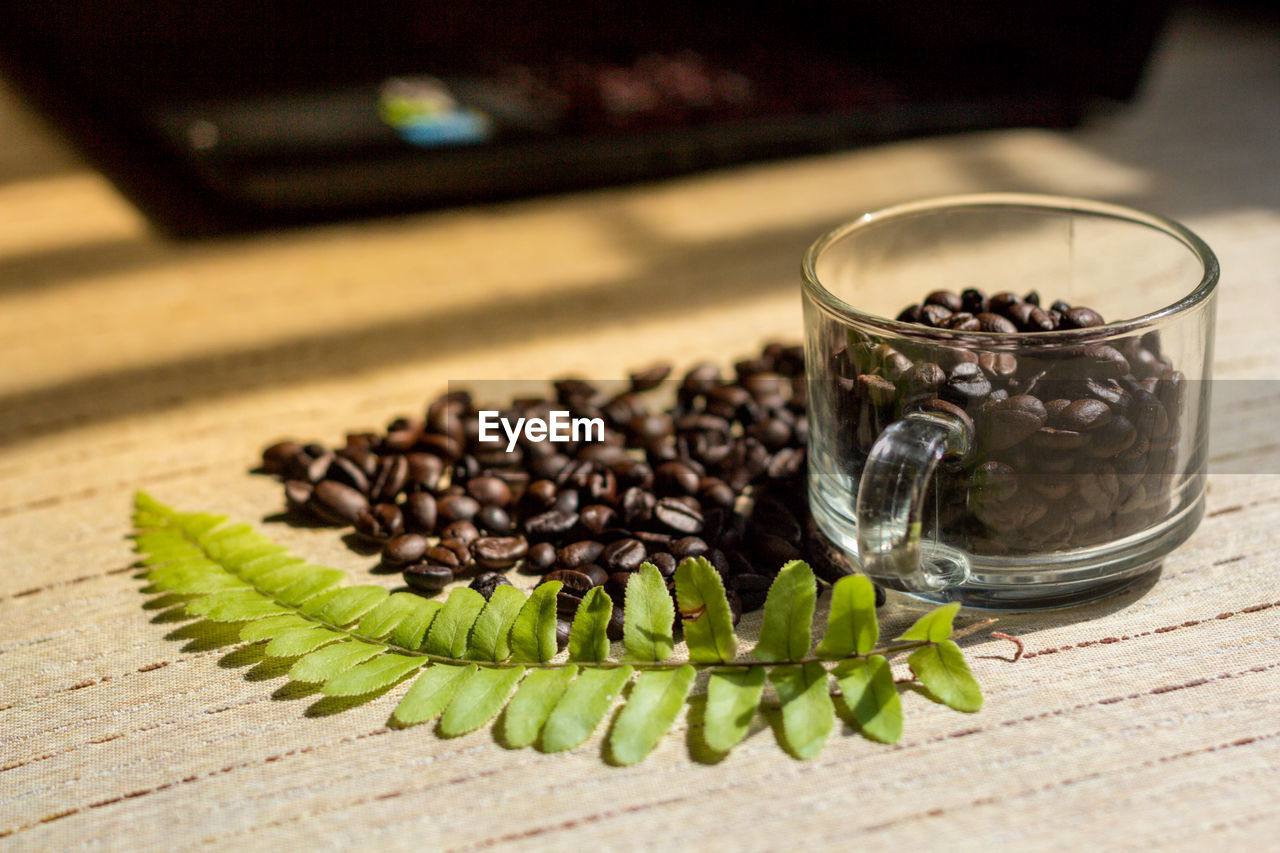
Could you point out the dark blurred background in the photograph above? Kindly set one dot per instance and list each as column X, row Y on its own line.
column 220, row 116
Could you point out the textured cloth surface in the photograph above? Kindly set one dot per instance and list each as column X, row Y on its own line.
column 1151, row 719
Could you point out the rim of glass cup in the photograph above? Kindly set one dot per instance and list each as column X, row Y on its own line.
column 1033, row 202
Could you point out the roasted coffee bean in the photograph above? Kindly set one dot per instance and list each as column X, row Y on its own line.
column 420, row 512
column 968, row 383
column 548, row 467
column 465, row 532
column 995, row 481
column 574, row 581
column 946, row 298
column 297, row 493
column 1048, row 438
column 1001, row 302
column 675, row 478
column 989, row 322
column 624, row 555
column 877, row 389
column 499, row 552
column 1084, row 415
column 1102, row 362
column 563, row 630
column 444, row 556
column 336, row 503
column 425, row 470
column 1079, row 318
column 1011, row 421
column 910, row 314
column 1000, row 366
column 926, row 378
column 579, row 554
column 973, row 301
column 650, row 377
column 715, row 492
column 775, row 550
column 494, row 519
column 486, row 583
column 489, row 491
column 404, row 549
column 428, row 578
column 664, row 562
column 772, row 516
column 688, row 546
column 555, row 522
column 678, row 516
column 595, row 573
column 934, row 315
column 540, row 559
column 1100, row 488
column 962, row 321
column 597, row 518
column 752, row 590
column 1029, row 317
column 457, row 508
column 277, row 458
column 637, row 506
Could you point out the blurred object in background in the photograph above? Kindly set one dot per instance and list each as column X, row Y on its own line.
column 223, row 115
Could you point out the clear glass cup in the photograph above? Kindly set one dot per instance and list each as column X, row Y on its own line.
column 1009, row 469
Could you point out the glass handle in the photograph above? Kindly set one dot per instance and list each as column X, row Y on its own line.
column 890, row 501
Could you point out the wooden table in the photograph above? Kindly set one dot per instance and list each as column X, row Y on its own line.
column 1152, row 719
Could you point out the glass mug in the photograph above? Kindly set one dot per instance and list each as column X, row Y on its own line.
column 1009, row 469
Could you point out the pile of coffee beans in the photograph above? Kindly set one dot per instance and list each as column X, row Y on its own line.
column 718, row 473
column 1073, row 444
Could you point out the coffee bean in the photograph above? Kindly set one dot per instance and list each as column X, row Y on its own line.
column 675, row 478
column 637, row 506
column 1029, row 317
column 489, row 491
column 595, row 573
column 457, row 508
column 597, row 518
column 579, row 554
column 962, row 321
column 650, row 377
column 563, row 630
column 689, row 546
column 486, row 583
column 1048, row 438
column 420, row 512
column 1103, row 362
column 336, row 503
column 277, row 458
column 494, row 519
column 551, row 523
column 404, row 549
column 926, row 378
column 499, row 552
column 995, row 480
column 540, row 558
column 677, row 516
column 1084, row 415
column 574, row 581
column 989, row 322
column 297, row 493
column 1012, row 420
column 444, row 556
column 998, row 365
column 968, row 383
column 428, row 577
column 463, row 531
column 973, row 301
column 935, row 315
column 624, row 555
column 664, row 562
column 910, row 314
column 946, row 298
column 1079, row 318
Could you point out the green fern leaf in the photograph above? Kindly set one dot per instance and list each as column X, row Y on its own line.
column 311, row 581
column 582, row 707
column 490, row 636
column 533, row 636
column 807, row 712
column 651, row 708
column 528, row 710
column 382, row 620
column 412, row 630
column 325, row 663
column 449, row 630
column 733, row 695
column 704, row 610
column 372, row 675
column 943, row 672
column 934, row 626
column 588, row 636
column 272, row 626
column 295, row 642
column 787, row 630
column 868, row 693
column 431, row 693
column 478, row 698
column 851, row 623
column 348, row 604
column 648, row 617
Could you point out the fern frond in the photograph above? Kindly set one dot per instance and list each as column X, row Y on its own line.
column 475, row 660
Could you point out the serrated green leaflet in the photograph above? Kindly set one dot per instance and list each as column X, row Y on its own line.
column 490, row 636
column 944, row 673
column 787, row 629
column 294, row 642
column 650, row 710
column 582, row 707
column 326, row 662
column 481, row 696
column 704, row 611
column 588, row 637
column 649, row 616
column 431, row 693
column 412, row 629
column 533, row 636
column 934, row 626
column 478, row 658
column 379, row 622
column 528, row 710
column 372, row 675
column 851, row 623
column 807, row 712
column 449, row 630
column 868, row 693
column 733, row 695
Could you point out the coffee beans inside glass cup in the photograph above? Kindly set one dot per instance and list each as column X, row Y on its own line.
column 1008, row 395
